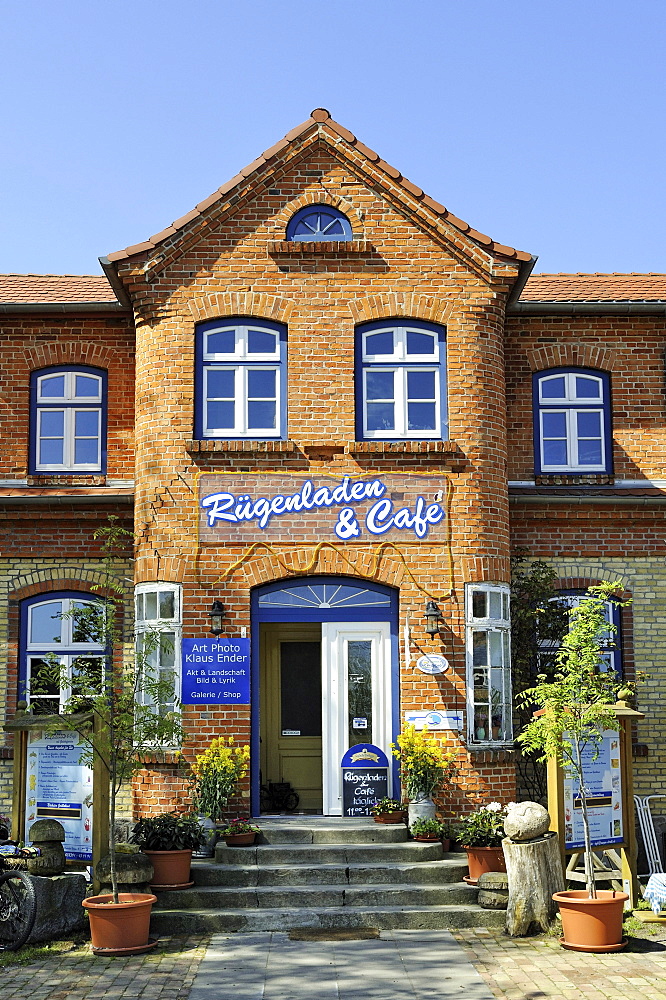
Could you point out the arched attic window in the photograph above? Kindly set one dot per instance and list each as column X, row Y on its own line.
column 317, row 223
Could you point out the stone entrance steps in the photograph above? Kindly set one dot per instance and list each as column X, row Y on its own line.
column 319, row 872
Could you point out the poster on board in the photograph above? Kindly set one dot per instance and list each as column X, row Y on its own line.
column 604, row 796
column 59, row 787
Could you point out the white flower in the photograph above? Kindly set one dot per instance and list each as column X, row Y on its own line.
column 494, row 807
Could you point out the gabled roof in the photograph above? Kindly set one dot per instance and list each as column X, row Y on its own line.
column 595, row 288
column 321, row 122
column 55, row 288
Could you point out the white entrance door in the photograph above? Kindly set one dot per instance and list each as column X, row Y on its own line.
column 356, row 697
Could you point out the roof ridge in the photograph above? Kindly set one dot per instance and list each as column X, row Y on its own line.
column 321, row 118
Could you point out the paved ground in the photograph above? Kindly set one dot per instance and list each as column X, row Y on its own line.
column 400, row 965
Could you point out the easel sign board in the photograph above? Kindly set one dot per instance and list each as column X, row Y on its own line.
column 59, row 787
column 601, row 762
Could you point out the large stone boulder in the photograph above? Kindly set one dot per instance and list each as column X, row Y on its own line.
column 134, row 872
column 526, row 821
column 59, row 909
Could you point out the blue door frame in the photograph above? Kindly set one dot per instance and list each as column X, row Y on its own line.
column 319, row 599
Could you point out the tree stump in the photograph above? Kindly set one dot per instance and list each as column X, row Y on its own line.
column 534, row 869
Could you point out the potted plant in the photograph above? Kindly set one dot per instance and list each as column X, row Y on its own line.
column 480, row 833
column 387, row 810
column 239, row 833
column 447, row 833
column 424, row 767
column 168, row 840
column 117, row 713
column 217, row 772
column 427, row 830
column 575, row 708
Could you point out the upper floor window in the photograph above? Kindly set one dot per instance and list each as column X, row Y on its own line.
column 319, row 222
column 241, row 379
column 68, row 425
column 63, row 650
column 401, row 381
column 572, row 430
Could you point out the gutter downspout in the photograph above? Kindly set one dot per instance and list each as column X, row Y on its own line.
column 115, row 282
column 526, row 269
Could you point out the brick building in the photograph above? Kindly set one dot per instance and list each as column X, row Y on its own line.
column 326, row 402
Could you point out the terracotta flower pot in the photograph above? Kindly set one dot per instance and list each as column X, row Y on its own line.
column 240, row 839
column 122, row 927
column 591, row 924
column 170, row 868
column 484, row 859
column 426, row 838
column 446, row 844
column 392, row 817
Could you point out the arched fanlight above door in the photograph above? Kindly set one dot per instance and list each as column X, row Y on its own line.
column 324, row 595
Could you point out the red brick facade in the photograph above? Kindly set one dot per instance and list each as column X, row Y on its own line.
column 409, row 258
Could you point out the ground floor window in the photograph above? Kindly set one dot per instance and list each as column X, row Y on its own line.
column 62, row 639
column 488, row 637
column 158, row 619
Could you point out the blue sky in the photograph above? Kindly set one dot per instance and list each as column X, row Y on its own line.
column 539, row 122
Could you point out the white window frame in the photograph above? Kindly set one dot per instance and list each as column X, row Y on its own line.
column 499, row 626
column 571, row 406
column 404, row 363
column 53, row 404
column 241, row 402
column 161, row 624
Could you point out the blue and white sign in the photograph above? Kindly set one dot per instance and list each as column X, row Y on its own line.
column 364, row 778
column 435, row 720
column 603, row 777
column 59, row 787
column 216, row 671
column 287, row 507
column 432, row 663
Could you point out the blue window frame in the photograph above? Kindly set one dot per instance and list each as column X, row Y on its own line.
column 572, row 421
column 50, row 633
column 401, row 381
column 68, row 420
column 318, row 223
column 241, row 379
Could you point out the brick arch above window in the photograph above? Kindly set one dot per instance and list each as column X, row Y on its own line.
column 151, row 567
column 218, row 305
column 75, row 353
column 571, row 356
column 401, row 304
column 317, row 198
column 44, row 581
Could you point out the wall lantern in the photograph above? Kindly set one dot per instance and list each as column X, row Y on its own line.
column 216, row 614
column 433, row 617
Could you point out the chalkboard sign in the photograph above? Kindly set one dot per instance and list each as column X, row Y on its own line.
column 364, row 779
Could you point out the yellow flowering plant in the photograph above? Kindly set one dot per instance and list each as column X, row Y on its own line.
column 424, row 764
column 217, row 772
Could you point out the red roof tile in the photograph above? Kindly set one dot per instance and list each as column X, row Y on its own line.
column 47, row 288
column 595, row 288
column 321, row 119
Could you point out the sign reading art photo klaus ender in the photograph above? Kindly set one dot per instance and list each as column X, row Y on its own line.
column 282, row 507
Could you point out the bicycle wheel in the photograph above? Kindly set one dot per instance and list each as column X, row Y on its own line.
column 291, row 801
column 18, row 908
